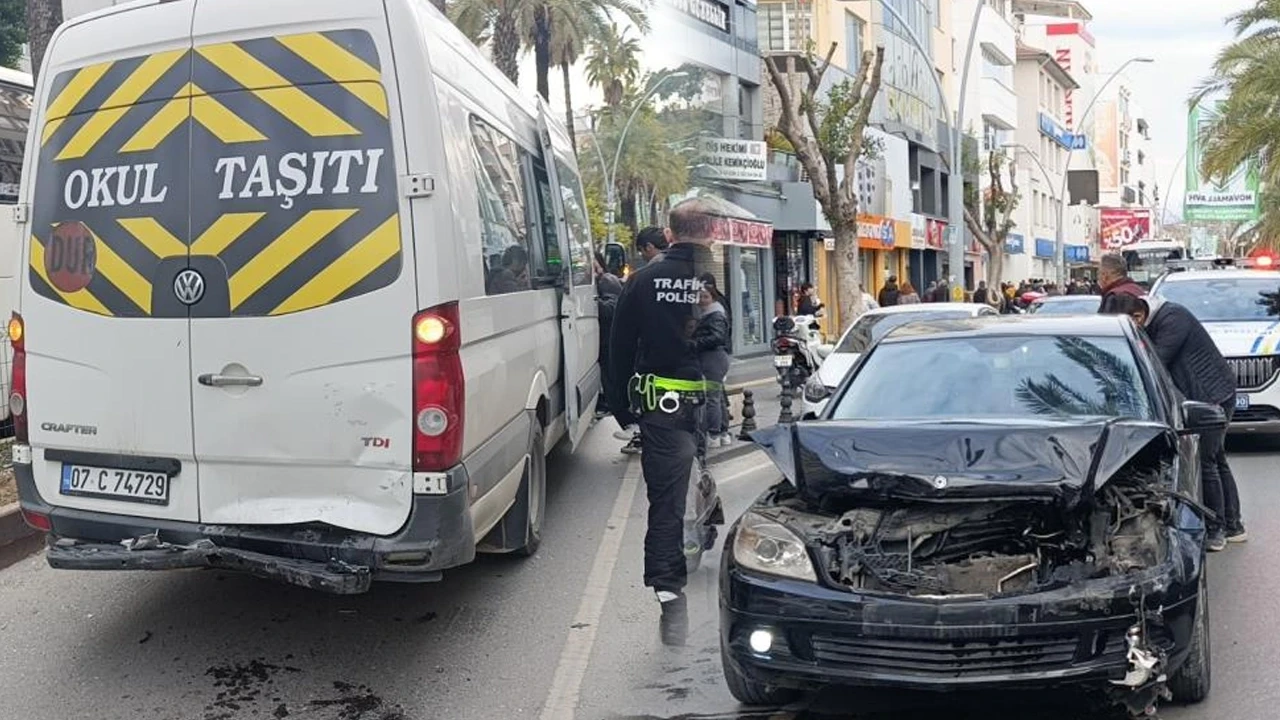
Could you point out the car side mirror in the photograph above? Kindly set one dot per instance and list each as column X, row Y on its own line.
column 1199, row 418
column 615, row 258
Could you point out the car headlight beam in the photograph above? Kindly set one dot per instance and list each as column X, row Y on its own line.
column 765, row 546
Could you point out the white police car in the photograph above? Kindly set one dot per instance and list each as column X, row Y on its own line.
column 1239, row 308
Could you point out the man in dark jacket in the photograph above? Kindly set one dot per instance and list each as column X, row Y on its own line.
column 1114, row 280
column 889, row 293
column 608, row 288
column 1201, row 374
column 656, row 369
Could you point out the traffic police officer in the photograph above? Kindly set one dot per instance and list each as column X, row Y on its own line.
column 657, row 374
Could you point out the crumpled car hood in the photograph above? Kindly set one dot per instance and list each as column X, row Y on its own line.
column 847, row 459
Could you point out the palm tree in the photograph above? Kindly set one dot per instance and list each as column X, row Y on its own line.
column 559, row 31
column 1246, row 124
column 613, row 64
column 496, row 22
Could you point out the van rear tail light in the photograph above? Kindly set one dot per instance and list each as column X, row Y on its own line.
column 37, row 521
column 18, row 379
column 439, row 391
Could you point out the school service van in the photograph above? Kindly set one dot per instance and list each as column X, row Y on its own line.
column 307, row 293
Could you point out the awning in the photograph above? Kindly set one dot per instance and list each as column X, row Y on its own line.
column 736, row 225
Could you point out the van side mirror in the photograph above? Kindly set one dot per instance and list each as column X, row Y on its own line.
column 615, row 258
column 1199, row 418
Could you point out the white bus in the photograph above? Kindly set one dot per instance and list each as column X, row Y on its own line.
column 15, row 114
column 1147, row 260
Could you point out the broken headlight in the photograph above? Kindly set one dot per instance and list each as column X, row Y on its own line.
column 767, row 547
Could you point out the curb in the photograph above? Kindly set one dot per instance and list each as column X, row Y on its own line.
column 745, row 448
column 17, row 539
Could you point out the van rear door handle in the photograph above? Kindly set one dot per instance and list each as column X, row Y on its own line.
column 212, row 380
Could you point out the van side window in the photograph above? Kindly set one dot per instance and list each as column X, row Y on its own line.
column 500, row 187
column 552, row 263
column 575, row 210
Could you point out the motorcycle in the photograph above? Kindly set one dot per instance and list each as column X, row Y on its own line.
column 797, row 349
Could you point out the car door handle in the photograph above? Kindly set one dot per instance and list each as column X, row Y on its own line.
column 212, row 380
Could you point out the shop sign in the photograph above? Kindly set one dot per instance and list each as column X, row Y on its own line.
column 735, row 160
column 1124, row 226
column 710, row 12
column 919, row 231
column 935, row 234
column 875, row 232
column 1044, row 248
column 1050, row 128
column 744, row 233
column 1015, row 244
column 1077, row 253
column 902, row 234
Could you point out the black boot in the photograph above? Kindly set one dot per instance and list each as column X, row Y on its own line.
column 674, row 625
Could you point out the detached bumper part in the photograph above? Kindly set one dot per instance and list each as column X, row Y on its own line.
column 437, row 536
column 332, row 577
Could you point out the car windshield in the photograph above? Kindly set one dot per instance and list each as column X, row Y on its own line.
column 871, row 327
column 1002, row 376
column 1226, row 299
column 1082, row 305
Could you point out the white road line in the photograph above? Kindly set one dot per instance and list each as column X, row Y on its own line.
column 566, row 685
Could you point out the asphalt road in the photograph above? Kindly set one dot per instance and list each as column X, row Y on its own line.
column 504, row 638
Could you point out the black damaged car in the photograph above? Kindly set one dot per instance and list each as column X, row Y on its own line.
column 985, row 502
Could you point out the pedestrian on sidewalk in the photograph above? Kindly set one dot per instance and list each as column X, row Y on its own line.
column 889, row 293
column 1201, row 373
column 907, row 294
column 608, row 288
column 711, row 337
column 653, row 352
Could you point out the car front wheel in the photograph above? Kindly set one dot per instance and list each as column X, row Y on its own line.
column 1190, row 683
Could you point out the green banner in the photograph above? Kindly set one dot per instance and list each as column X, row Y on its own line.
column 1234, row 200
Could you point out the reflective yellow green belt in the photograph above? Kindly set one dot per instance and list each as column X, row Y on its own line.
column 659, row 393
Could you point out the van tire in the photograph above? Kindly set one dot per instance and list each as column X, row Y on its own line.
column 532, row 498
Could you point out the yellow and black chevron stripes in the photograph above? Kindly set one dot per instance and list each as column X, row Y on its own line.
column 267, row 162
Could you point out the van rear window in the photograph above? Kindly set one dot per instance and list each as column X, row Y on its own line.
column 265, row 165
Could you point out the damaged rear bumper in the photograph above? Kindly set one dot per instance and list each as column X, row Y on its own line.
column 825, row 636
column 437, row 536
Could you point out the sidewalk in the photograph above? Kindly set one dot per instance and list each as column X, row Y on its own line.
column 768, row 406
column 748, row 371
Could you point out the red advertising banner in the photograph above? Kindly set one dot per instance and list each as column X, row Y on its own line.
column 935, row 234
column 747, row 233
column 1119, row 227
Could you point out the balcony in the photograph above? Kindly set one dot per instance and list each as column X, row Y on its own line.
column 1067, row 9
column 996, row 35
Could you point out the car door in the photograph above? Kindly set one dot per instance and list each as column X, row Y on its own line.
column 107, row 344
column 301, row 381
column 579, row 315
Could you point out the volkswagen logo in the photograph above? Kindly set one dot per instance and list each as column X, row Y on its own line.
column 189, row 287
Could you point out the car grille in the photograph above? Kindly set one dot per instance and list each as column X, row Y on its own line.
column 1254, row 373
column 1256, row 414
column 959, row 658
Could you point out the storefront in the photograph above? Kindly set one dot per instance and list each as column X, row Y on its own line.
column 743, row 261
column 1079, row 266
column 795, row 263
column 1043, row 267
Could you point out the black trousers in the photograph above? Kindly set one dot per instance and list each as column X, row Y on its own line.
column 1220, row 493
column 671, row 445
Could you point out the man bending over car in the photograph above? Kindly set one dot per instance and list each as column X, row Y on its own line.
column 1201, row 374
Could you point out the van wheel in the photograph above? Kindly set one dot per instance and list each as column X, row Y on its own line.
column 533, row 496
column 1190, row 683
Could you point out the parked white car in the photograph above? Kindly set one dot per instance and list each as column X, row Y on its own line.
column 308, row 294
column 865, row 332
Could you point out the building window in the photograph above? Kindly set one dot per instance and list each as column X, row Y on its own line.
column 853, row 42
column 994, row 67
column 1000, row 6
column 503, row 211
column 784, row 27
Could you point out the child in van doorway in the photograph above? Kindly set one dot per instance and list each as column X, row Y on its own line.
column 711, row 337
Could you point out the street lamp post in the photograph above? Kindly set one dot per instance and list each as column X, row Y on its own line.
column 1048, row 181
column 955, row 205
column 612, row 177
column 1060, row 249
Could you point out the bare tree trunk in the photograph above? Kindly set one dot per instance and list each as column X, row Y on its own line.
column 440, row 5
column 506, row 46
column 568, row 106
column 848, row 275
column 43, row 17
column 995, row 267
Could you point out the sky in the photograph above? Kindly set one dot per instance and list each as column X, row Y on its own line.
column 1183, row 36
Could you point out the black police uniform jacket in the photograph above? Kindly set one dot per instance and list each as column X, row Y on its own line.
column 654, row 321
